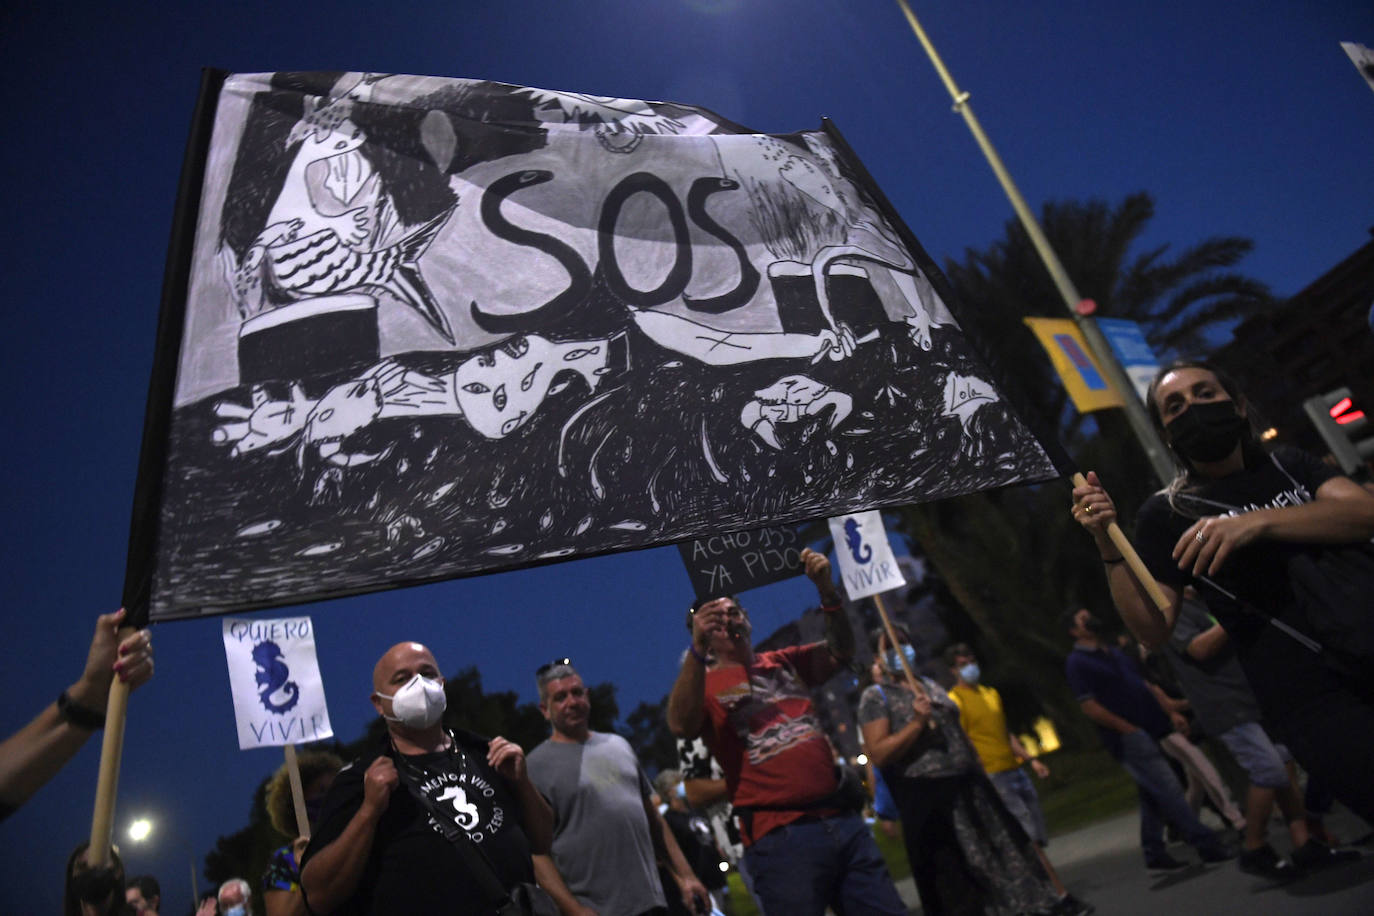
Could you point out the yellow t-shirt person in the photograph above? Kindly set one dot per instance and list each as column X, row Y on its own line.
column 981, row 715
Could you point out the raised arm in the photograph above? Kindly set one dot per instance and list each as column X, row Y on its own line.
column 1094, row 510
column 332, row 874
column 34, row 754
column 687, row 701
column 839, row 636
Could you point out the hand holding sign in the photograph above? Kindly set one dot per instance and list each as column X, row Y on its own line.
column 817, row 567
column 920, row 704
column 129, row 656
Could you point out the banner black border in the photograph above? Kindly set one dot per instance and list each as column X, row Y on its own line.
column 146, row 517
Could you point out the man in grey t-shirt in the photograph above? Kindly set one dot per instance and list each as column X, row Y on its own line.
column 608, row 835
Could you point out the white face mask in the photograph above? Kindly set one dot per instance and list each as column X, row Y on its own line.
column 419, row 704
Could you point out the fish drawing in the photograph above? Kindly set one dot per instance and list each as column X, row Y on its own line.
column 283, row 266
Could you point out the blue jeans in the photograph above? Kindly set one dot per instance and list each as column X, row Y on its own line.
column 1161, row 797
column 1018, row 794
column 801, row 868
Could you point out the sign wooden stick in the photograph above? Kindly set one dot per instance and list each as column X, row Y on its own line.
column 111, row 749
column 1137, row 565
column 297, row 792
column 892, row 639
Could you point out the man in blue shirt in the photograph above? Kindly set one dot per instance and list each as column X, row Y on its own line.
column 1130, row 720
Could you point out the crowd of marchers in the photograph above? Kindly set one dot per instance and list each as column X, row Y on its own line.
column 1264, row 639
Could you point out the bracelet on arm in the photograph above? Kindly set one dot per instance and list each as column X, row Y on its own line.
column 78, row 715
column 831, row 607
column 692, row 647
column 1110, row 560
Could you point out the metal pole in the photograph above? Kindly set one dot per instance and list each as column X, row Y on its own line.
column 1154, row 448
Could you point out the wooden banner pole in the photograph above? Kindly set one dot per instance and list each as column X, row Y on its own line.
column 1137, row 565
column 297, row 792
column 892, row 639
column 107, row 782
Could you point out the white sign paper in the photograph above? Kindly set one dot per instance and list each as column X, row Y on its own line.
column 275, row 678
column 867, row 566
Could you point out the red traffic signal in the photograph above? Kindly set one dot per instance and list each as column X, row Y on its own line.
column 1343, row 412
column 1344, row 427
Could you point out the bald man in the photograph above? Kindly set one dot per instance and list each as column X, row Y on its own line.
column 389, row 829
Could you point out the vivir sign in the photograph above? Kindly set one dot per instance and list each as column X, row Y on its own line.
column 730, row 563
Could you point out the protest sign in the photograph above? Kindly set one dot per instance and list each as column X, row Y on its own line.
column 867, row 566
column 727, row 564
column 275, row 679
column 417, row 328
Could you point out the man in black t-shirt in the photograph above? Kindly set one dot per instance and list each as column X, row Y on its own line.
column 389, row 829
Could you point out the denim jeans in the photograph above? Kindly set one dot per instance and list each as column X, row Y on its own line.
column 1018, row 794
column 801, row 868
column 1161, row 797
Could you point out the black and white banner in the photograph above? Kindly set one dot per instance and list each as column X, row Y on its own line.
column 435, row 327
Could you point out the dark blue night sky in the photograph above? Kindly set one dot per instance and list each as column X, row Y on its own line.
column 1240, row 118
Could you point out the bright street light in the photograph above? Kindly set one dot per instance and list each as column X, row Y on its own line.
column 140, row 829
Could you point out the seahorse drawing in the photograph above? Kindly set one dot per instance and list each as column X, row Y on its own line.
column 856, row 541
column 272, row 677
column 465, row 812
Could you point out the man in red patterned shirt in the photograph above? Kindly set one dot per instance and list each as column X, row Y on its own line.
column 805, row 844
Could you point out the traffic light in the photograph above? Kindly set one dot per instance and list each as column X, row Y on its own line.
column 1347, row 431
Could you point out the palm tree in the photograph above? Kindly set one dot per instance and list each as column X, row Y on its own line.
column 1176, row 300
column 1013, row 557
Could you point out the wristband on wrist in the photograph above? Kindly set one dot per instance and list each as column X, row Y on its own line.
column 1110, row 560
column 77, row 715
column 692, row 647
column 831, row 607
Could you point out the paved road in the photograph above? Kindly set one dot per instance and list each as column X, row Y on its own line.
column 1102, row 864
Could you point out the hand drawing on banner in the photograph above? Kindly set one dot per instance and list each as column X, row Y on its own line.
column 620, row 323
column 275, row 680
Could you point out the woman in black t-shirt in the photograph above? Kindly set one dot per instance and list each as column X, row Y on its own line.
column 1233, row 523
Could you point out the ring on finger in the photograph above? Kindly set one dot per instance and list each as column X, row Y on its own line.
column 1200, row 537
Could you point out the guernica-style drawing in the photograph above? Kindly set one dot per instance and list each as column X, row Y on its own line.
column 435, row 327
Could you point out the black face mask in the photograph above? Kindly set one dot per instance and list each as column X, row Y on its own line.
column 1207, row 431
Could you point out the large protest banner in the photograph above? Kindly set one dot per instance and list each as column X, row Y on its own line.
column 416, row 328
